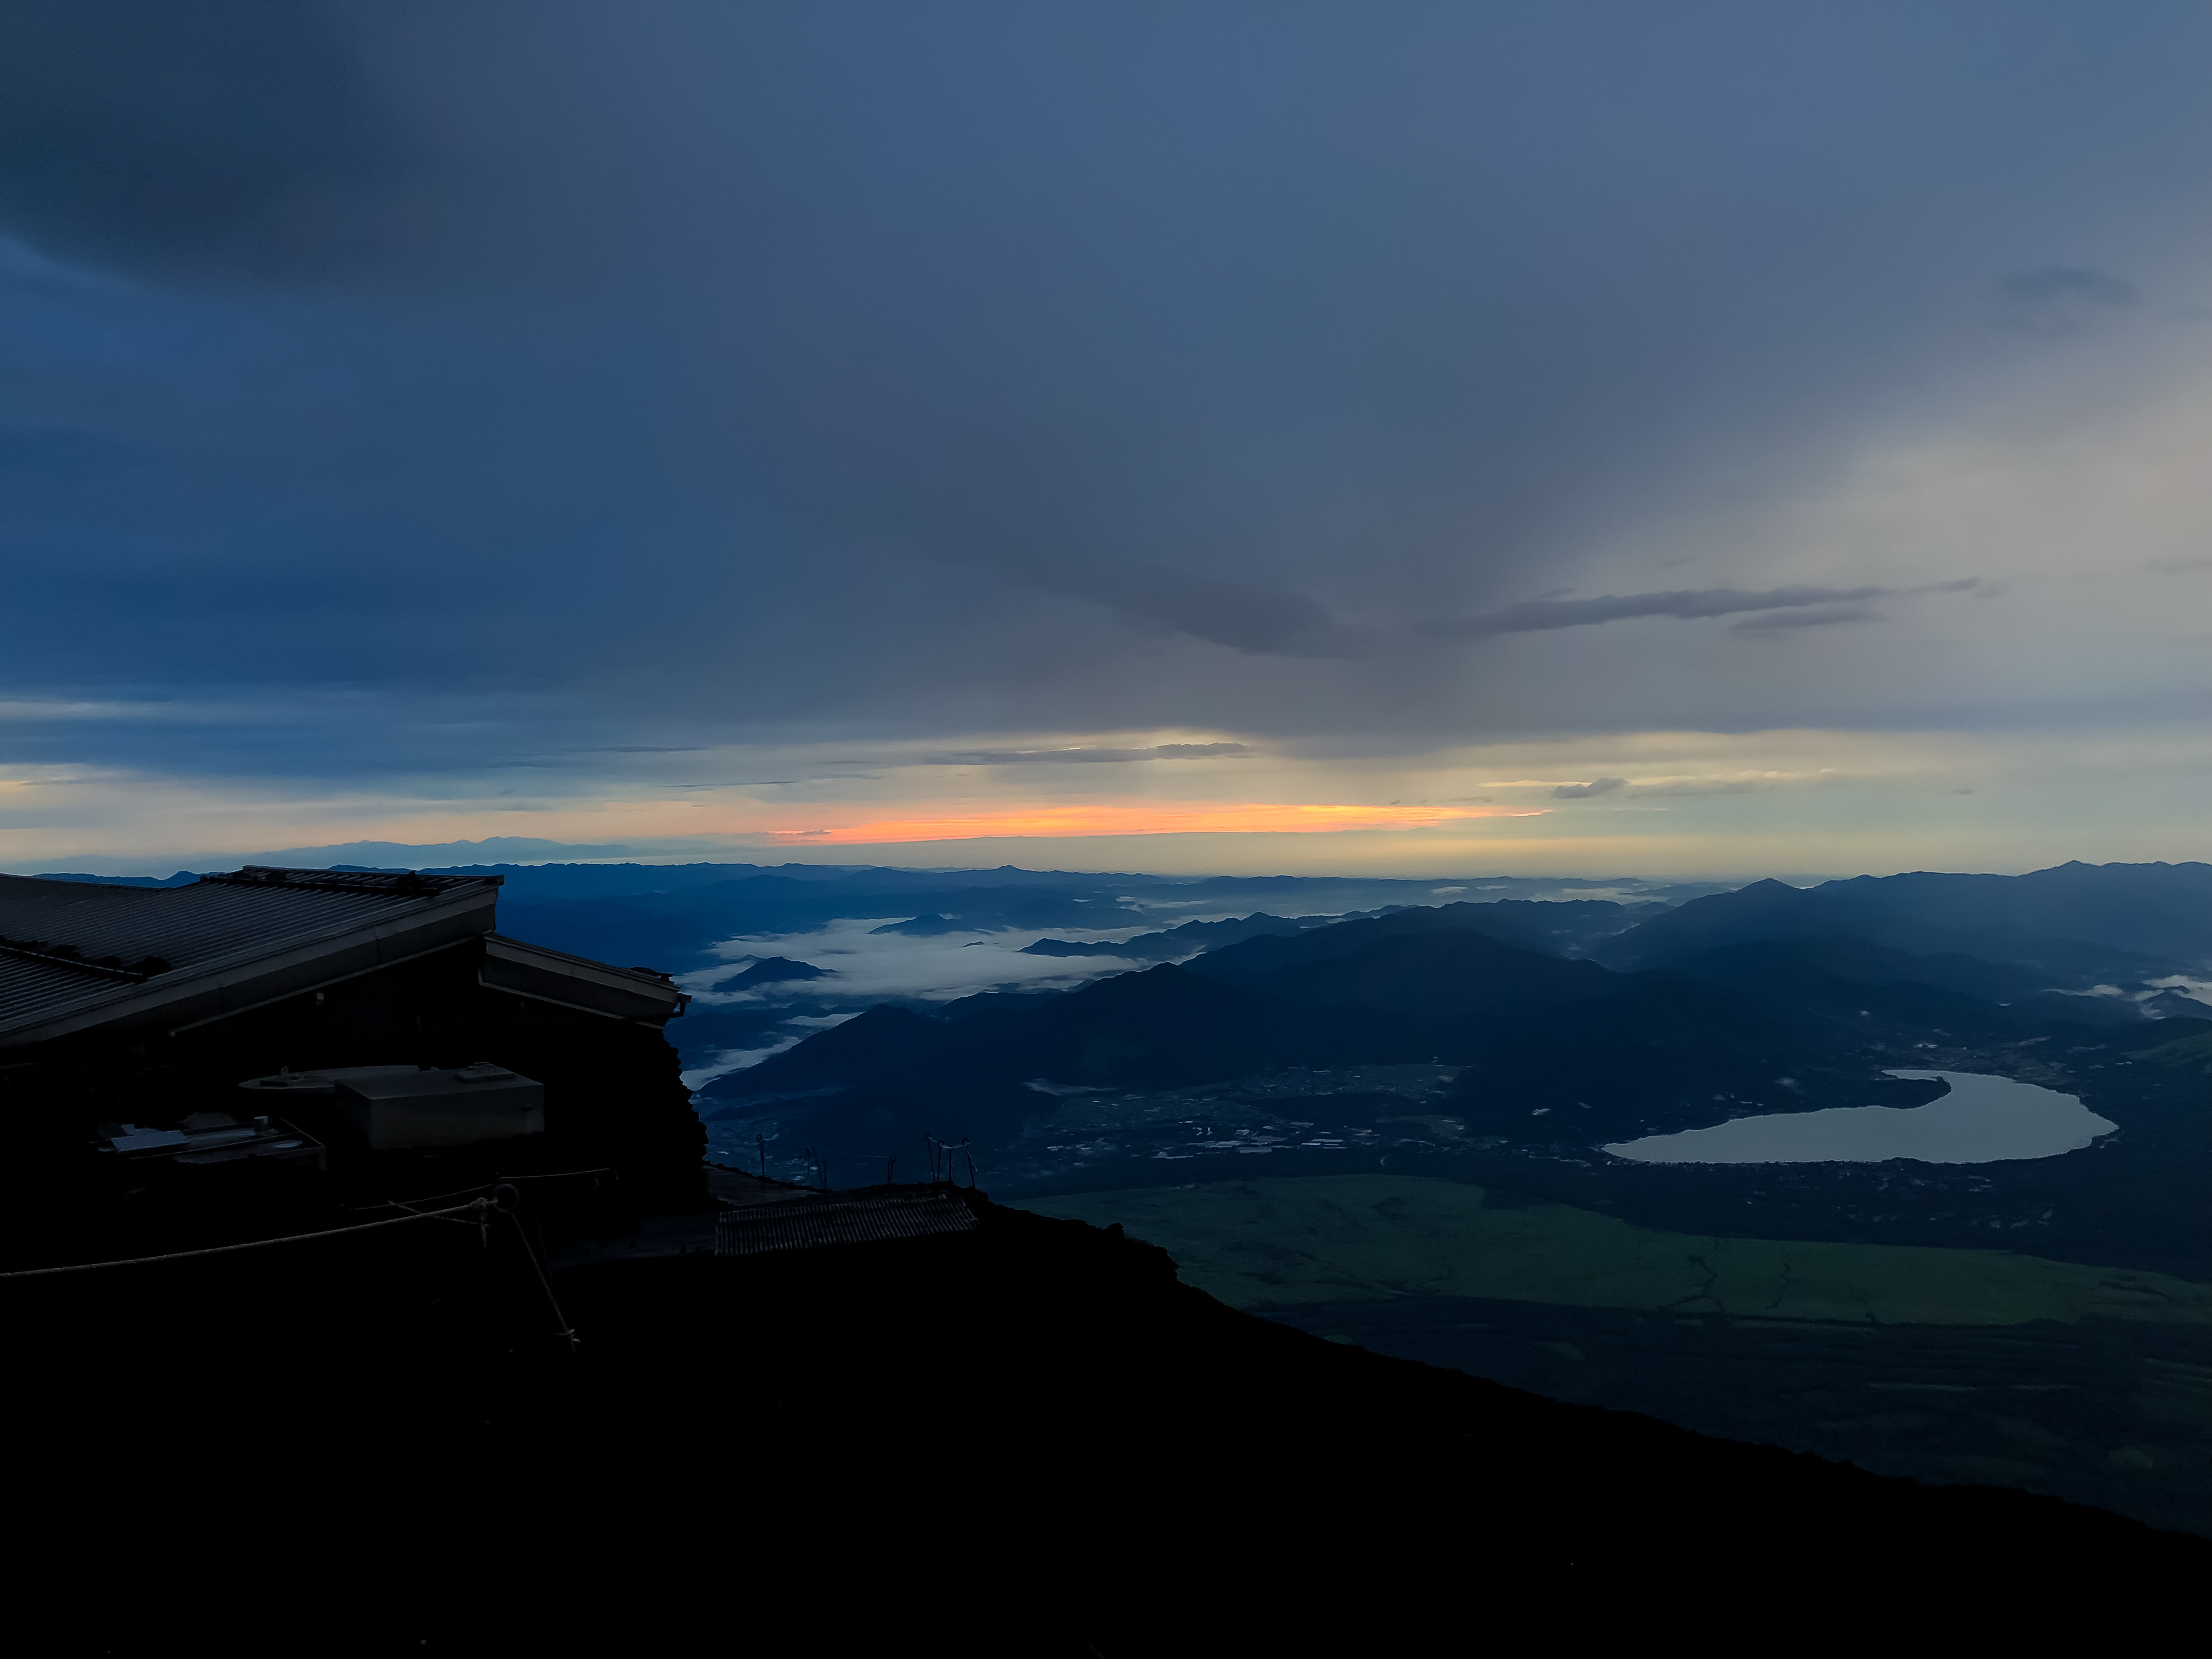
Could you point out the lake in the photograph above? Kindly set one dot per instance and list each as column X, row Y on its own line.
column 1983, row 1120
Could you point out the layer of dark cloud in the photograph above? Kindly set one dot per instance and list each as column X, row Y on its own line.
column 457, row 383
column 1584, row 790
column 220, row 137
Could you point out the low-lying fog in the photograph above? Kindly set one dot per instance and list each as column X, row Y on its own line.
column 871, row 966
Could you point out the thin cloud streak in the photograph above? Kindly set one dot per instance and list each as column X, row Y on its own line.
column 1059, row 757
column 1162, row 820
column 1542, row 615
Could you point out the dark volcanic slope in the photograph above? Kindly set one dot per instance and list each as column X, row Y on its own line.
column 825, row 1445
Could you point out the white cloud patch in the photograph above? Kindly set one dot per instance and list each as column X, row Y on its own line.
column 876, row 967
column 2198, row 990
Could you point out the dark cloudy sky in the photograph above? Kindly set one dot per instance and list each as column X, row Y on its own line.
column 1695, row 437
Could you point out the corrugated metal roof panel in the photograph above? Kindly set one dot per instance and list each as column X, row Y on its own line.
column 200, row 929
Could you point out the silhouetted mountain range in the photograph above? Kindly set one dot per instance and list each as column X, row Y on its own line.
column 1548, row 928
column 671, row 916
column 2075, row 923
column 1631, row 1019
column 1174, row 942
column 677, row 929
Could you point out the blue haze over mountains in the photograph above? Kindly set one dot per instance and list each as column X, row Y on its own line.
column 1556, row 1020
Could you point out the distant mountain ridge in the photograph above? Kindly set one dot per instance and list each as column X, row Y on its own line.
column 1174, row 942
column 1630, row 1018
column 2074, row 919
column 1555, row 927
column 671, row 916
column 773, row 970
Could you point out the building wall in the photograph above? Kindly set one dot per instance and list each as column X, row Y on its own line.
column 613, row 1093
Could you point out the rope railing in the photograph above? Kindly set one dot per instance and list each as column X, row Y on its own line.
column 479, row 1205
column 488, row 1185
column 504, row 1200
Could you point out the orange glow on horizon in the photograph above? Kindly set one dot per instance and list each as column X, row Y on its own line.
column 1162, row 820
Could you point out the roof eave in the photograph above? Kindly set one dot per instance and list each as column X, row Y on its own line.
column 249, row 979
column 550, row 975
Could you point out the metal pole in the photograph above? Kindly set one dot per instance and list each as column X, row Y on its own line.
column 508, row 1200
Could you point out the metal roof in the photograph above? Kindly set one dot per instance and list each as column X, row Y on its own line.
column 550, row 975
column 74, row 955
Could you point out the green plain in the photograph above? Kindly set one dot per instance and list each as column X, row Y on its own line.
column 1271, row 1243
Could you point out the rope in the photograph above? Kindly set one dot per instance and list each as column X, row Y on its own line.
column 438, row 1215
column 565, row 1175
column 483, row 1186
column 254, row 1244
column 402, row 1203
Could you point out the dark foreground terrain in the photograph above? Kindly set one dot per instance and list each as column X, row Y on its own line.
column 1028, row 1438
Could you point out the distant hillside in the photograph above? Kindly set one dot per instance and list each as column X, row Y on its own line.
column 1635, row 1050
column 1449, row 974
column 2074, row 925
column 1174, row 942
column 1549, row 928
column 1162, row 1026
column 773, row 970
column 1733, row 1003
